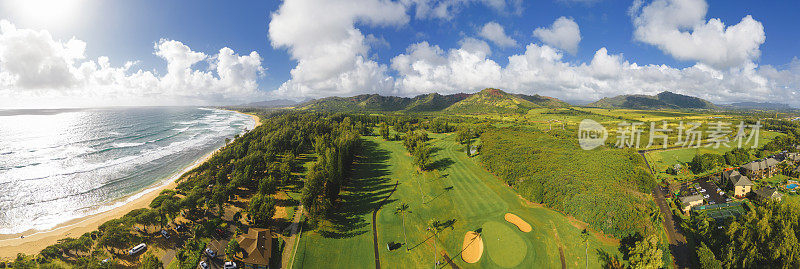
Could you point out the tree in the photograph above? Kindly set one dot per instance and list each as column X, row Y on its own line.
column 646, row 254
column 402, row 210
column 231, row 249
column 261, row 210
column 115, row 238
column 383, row 130
column 585, row 238
column 150, row 261
column 706, row 258
column 422, row 156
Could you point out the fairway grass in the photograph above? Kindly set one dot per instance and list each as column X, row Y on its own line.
column 463, row 196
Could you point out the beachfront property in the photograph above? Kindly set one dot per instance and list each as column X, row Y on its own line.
column 687, row 202
column 256, row 247
column 740, row 184
column 761, row 169
column 768, row 193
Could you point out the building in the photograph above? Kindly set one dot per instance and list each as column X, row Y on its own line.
column 256, row 246
column 761, row 169
column 769, row 193
column 789, row 157
column 740, row 184
column 690, row 201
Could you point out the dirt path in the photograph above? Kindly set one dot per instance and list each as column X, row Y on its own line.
column 289, row 249
column 375, row 228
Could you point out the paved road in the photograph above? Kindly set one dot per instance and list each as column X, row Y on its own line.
column 289, row 248
column 681, row 254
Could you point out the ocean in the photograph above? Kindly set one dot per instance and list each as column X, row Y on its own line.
column 58, row 165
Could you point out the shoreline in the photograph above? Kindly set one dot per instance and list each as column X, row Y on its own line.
column 33, row 241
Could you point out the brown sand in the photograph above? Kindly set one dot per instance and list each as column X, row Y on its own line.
column 521, row 224
column 472, row 247
column 31, row 242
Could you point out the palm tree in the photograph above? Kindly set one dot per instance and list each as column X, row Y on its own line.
column 585, row 237
column 435, row 226
column 402, row 210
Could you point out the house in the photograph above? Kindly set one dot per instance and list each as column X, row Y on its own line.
column 739, row 183
column 789, row 157
column 256, row 246
column 690, row 201
column 769, row 193
column 761, row 169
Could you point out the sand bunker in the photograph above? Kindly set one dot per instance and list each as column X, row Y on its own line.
column 521, row 224
column 473, row 247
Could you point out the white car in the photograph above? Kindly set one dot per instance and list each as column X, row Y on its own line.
column 165, row 234
column 702, row 190
column 706, row 196
column 211, row 253
column 229, row 265
column 138, row 248
column 203, row 265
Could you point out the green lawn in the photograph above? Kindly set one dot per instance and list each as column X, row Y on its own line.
column 477, row 199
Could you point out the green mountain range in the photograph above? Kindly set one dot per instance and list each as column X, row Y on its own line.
column 485, row 101
column 663, row 100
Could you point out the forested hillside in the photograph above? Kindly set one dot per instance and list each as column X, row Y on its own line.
column 607, row 188
column 663, row 100
column 485, row 101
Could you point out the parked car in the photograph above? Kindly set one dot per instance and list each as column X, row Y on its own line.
column 211, row 253
column 702, row 190
column 165, row 234
column 138, row 248
column 203, row 265
column 229, row 265
column 706, row 196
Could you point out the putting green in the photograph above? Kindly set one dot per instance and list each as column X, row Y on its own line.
column 505, row 246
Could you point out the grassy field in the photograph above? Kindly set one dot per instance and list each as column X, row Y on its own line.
column 462, row 195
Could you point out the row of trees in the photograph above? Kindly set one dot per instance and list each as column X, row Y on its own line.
column 336, row 146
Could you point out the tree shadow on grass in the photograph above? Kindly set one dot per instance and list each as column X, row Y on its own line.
column 364, row 192
column 442, row 164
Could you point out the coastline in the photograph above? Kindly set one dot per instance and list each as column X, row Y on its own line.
column 33, row 241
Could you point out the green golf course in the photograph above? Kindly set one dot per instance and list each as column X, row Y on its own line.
column 456, row 197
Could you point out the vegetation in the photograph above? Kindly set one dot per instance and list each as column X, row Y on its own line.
column 550, row 168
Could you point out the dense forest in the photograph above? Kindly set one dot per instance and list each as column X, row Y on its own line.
column 607, row 188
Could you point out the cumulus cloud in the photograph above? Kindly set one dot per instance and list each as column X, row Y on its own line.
column 494, row 32
column 38, row 71
column 679, row 28
column 331, row 53
column 541, row 69
column 563, row 34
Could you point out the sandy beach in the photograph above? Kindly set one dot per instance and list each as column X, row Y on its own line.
column 31, row 242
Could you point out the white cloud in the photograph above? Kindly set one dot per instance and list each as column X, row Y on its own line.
column 563, row 34
column 446, row 9
column 39, row 71
column 678, row 28
column 542, row 70
column 332, row 55
column 494, row 32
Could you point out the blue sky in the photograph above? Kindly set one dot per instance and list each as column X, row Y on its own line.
column 401, row 48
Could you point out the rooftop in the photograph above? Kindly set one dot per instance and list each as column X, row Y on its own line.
column 257, row 245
